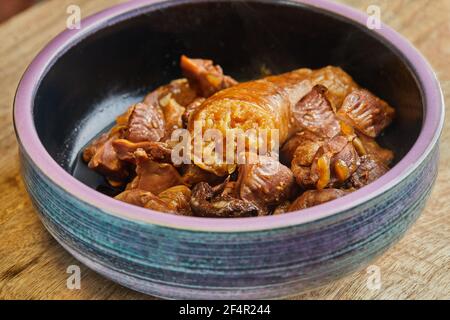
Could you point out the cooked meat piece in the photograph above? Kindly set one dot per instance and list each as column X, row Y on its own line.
column 139, row 197
column 316, row 173
column 371, row 147
column 190, row 108
column 157, row 151
column 173, row 100
column 308, row 142
column 334, row 162
column 173, row 200
column 103, row 158
column 265, row 183
column 173, row 114
column 123, row 119
column 304, row 154
column 191, row 175
column 146, row 123
column 208, row 202
column 282, row 208
column 115, row 183
column 314, row 113
column 117, row 131
column 179, row 90
column 367, row 113
column 312, row 198
column 95, row 145
column 230, row 189
column 153, row 176
column 337, row 81
column 325, row 123
column 205, row 77
column 370, row 169
column 177, row 199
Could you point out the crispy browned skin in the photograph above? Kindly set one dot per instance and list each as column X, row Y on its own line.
column 312, row 198
column 265, row 183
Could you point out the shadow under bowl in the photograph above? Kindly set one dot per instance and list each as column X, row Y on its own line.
column 84, row 78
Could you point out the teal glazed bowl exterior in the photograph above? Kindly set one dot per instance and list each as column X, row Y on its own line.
column 81, row 73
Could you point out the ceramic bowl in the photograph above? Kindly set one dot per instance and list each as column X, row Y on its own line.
column 84, row 78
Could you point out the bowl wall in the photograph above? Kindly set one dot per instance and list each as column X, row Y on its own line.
column 266, row 264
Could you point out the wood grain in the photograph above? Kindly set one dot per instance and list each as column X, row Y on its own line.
column 33, row 265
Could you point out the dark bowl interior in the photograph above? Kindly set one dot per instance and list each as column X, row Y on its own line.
column 114, row 66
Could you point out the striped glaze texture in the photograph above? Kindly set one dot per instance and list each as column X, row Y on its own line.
column 181, row 264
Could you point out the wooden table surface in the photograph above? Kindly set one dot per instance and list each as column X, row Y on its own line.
column 33, row 265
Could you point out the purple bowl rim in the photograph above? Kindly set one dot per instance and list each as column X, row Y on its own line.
column 32, row 146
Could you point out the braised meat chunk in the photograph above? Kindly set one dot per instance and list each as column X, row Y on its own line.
column 153, row 176
column 157, row 151
column 102, row 157
column 205, row 77
column 192, row 174
column 265, row 183
column 313, row 198
column 369, row 114
column 137, row 197
column 371, row 147
column 209, row 202
column 339, row 84
column 146, row 123
column 333, row 163
column 177, row 200
column 303, row 145
column 314, row 113
column 173, row 200
column 370, row 169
